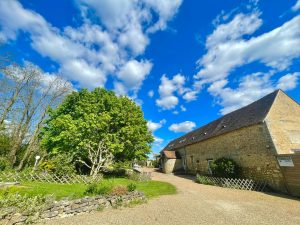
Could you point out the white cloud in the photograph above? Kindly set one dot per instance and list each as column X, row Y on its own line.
column 165, row 9
column 296, row 7
column 151, row 93
column 241, row 25
column 275, row 49
column 152, row 126
column 183, row 109
column 182, row 127
column 158, row 140
column 190, row 95
column 288, row 81
column 167, row 90
column 230, row 47
column 90, row 52
column 132, row 75
column 250, row 88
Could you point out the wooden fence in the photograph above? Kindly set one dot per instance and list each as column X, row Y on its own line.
column 46, row 177
column 236, row 183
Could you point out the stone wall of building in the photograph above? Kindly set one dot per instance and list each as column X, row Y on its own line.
column 251, row 147
column 283, row 121
column 66, row 208
column 171, row 165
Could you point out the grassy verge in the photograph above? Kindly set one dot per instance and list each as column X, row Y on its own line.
column 150, row 188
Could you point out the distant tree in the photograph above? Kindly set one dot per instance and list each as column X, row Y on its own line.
column 26, row 93
column 87, row 118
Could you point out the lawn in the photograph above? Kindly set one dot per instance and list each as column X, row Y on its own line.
column 150, row 188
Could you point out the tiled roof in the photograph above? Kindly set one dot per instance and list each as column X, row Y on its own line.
column 249, row 115
column 171, row 155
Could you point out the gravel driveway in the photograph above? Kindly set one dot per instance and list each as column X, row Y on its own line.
column 198, row 204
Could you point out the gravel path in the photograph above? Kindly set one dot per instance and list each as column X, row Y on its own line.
column 198, row 204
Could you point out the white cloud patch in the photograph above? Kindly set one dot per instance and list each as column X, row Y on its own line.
column 296, row 7
column 91, row 52
column 231, row 46
column 132, row 75
column 158, row 141
column 152, row 126
column 288, row 81
column 276, row 49
column 167, row 90
column 182, row 127
column 250, row 88
column 183, row 109
column 151, row 93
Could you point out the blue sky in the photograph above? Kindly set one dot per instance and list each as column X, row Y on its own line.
column 186, row 62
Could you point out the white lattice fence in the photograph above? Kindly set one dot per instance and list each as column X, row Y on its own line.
column 236, row 183
column 46, row 177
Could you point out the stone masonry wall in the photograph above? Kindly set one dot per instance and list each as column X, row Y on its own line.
column 66, row 208
column 251, row 147
column 171, row 165
column 283, row 121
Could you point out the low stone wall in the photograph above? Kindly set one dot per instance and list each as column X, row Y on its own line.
column 66, row 208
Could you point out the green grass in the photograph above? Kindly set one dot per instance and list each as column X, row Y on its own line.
column 150, row 188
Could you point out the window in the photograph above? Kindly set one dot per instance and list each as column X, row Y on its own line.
column 192, row 159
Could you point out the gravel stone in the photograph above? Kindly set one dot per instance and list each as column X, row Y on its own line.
column 197, row 204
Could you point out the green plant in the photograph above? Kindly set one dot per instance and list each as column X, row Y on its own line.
column 131, row 187
column 100, row 208
column 60, row 164
column 24, row 203
column 118, row 202
column 91, row 189
column 203, row 180
column 119, row 190
column 104, row 189
column 225, row 167
column 135, row 202
column 140, row 176
column 4, row 163
column 86, row 117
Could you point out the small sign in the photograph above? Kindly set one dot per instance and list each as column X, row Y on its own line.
column 285, row 161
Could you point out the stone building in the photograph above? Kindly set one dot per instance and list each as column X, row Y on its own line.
column 263, row 138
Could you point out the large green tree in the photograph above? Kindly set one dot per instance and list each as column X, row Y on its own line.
column 86, row 118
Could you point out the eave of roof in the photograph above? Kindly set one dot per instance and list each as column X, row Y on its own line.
column 251, row 114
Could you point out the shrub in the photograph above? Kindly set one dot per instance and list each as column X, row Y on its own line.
column 203, row 180
column 24, row 203
column 91, row 189
column 119, row 190
column 4, row 164
column 104, row 189
column 131, row 187
column 98, row 189
column 225, row 167
column 60, row 165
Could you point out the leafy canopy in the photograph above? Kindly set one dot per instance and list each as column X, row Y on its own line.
column 87, row 117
